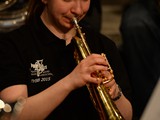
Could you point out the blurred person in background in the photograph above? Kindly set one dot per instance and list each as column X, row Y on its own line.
column 140, row 30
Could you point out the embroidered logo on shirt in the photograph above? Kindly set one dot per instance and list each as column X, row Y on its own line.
column 40, row 72
column 39, row 67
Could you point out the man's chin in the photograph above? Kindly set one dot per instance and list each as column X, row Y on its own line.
column 68, row 25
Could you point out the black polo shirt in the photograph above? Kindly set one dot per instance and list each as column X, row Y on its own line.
column 32, row 55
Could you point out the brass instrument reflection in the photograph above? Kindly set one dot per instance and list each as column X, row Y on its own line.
column 12, row 14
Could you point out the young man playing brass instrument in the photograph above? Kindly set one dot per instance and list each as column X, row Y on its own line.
column 38, row 64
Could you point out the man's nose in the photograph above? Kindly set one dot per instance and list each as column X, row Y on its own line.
column 77, row 9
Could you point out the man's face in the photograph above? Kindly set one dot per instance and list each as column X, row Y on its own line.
column 61, row 12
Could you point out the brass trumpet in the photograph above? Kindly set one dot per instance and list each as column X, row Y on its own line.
column 100, row 97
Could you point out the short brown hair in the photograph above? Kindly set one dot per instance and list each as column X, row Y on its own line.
column 34, row 6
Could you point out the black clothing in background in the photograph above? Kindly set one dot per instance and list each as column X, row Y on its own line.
column 140, row 29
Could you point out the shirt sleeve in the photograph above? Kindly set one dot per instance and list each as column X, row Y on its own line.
column 12, row 70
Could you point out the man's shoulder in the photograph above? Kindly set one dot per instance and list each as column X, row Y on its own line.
column 19, row 37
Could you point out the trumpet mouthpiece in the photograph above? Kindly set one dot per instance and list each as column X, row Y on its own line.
column 74, row 19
